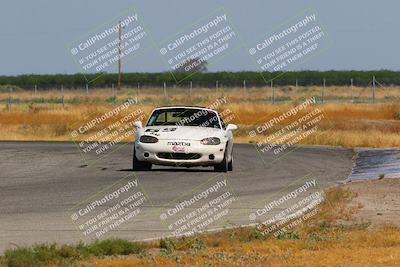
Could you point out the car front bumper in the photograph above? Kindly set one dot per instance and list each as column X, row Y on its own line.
column 173, row 153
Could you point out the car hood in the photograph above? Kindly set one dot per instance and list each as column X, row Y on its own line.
column 182, row 132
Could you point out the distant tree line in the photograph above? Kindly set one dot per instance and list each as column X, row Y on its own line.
column 205, row 79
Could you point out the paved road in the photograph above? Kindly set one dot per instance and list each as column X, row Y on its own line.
column 44, row 184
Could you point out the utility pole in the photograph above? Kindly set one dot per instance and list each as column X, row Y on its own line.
column 323, row 89
column 119, row 54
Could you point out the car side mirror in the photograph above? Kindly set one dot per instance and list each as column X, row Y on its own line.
column 231, row 127
column 137, row 124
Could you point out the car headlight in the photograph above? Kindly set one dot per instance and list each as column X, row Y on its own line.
column 148, row 139
column 211, row 141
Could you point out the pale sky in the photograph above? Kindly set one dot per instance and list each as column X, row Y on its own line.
column 364, row 34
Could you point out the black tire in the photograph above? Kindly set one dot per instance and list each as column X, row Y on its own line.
column 224, row 165
column 230, row 164
column 138, row 165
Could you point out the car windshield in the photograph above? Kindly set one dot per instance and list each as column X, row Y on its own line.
column 184, row 117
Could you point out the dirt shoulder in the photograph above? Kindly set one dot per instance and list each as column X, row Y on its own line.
column 379, row 201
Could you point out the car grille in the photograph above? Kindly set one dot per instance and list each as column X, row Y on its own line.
column 181, row 156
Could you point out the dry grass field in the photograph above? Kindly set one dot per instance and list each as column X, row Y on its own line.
column 354, row 247
column 44, row 116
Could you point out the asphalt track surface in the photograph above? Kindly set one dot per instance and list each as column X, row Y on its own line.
column 372, row 163
column 42, row 184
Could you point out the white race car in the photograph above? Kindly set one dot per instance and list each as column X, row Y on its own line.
column 183, row 136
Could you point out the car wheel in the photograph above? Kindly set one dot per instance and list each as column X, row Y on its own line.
column 230, row 164
column 224, row 165
column 138, row 165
